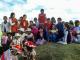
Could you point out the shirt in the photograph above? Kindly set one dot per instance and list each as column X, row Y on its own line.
column 42, row 18
column 5, row 27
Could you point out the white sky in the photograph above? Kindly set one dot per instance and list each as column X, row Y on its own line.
column 67, row 9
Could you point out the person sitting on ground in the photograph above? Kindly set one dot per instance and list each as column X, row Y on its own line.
column 77, row 31
column 53, row 33
column 40, row 39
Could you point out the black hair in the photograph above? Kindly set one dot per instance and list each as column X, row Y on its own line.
column 11, row 16
column 42, row 9
column 77, row 23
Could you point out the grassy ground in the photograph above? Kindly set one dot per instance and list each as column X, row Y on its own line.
column 58, row 52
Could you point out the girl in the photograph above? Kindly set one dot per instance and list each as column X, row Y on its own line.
column 14, row 23
column 40, row 39
column 24, row 22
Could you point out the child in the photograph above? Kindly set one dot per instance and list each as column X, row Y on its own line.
column 31, row 53
column 4, row 41
column 35, row 31
column 42, row 17
column 29, row 34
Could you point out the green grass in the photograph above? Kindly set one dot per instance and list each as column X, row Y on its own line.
column 58, row 52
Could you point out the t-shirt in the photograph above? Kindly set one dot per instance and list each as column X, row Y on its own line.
column 42, row 18
column 24, row 24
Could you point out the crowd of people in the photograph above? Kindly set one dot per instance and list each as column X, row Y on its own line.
column 22, row 34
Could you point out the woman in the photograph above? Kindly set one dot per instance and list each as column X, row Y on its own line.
column 14, row 23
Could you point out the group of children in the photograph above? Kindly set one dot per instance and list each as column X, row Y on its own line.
column 22, row 36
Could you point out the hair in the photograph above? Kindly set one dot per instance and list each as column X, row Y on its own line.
column 24, row 15
column 66, row 24
column 4, row 17
column 71, row 22
column 77, row 23
column 59, row 19
column 11, row 16
column 53, row 20
column 48, row 18
column 35, row 18
column 42, row 9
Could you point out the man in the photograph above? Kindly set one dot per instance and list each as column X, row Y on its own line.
column 5, row 26
column 60, row 27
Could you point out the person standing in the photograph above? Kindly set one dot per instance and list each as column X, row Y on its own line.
column 5, row 26
column 42, row 17
column 14, row 23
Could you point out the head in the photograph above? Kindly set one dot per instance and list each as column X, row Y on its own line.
column 5, row 18
column 4, row 34
column 48, row 19
column 20, row 18
column 12, row 15
column 71, row 23
column 66, row 25
column 35, row 19
column 59, row 19
column 42, row 11
column 77, row 23
column 24, row 17
column 53, row 20
column 31, row 22
column 34, row 26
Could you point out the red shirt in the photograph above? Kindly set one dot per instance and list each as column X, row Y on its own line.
column 48, row 25
column 14, row 28
column 24, row 24
column 42, row 18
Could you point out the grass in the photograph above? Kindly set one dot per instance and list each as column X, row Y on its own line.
column 58, row 52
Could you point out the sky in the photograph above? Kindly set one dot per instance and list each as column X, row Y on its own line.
column 67, row 9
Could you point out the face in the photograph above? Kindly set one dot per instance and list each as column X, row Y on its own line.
column 24, row 18
column 42, row 12
column 5, row 18
column 13, row 16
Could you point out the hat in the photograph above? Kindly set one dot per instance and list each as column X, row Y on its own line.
column 17, row 34
column 28, row 29
column 21, row 29
column 18, row 48
column 30, row 44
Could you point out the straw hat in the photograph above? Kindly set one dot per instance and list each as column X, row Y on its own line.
column 17, row 35
column 21, row 29
column 28, row 29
